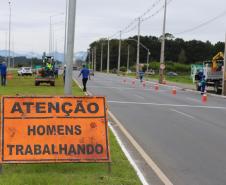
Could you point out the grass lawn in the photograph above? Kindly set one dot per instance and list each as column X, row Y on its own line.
column 64, row 174
column 181, row 78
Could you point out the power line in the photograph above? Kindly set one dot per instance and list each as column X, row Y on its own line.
column 114, row 34
column 129, row 25
column 142, row 15
column 125, row 29
column 156, row 12
column 133, row 28
column 150, row 16
column 203, row 24
column 149, row 9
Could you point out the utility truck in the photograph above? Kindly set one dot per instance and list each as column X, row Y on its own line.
column 213, row 71
column 46, row 73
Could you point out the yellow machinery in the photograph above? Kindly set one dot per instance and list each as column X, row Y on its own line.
column 217, row 61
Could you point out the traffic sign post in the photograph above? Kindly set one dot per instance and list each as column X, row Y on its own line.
column 162, row 66
column 54, row 130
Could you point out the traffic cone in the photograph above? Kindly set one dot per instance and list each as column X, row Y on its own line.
column 164, row 81
column 9, row 76
column 174, row 91
column 204, row 97
column 156, row 87
column 144, row 84
column 133, row 83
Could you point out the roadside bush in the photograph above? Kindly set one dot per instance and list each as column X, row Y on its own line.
column 133, row 68
column 123, row 69
column 172, row 66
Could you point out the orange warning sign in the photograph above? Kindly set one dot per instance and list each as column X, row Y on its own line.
column 54, row 129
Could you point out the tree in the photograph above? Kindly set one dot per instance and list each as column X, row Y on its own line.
column 182, row 57
column 176, row 50
column 168, row 36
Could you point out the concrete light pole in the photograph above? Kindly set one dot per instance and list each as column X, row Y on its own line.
column 108, row 57
column 162, row 57
column 9, row 52
column 65, row 31
column 148, row 59
column 145, row 47
column 101, row 57
column 89, row 61
column 92, row 50
column 95, row 59
column 128, row 58
column 6, row 46
column 70, row 46
column 51, row 32
column 224, row 72
column 138, row 47
column 50, row 35
column 119, row 51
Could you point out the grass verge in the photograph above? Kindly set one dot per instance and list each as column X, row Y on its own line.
column 64, row 174
column 181, row 78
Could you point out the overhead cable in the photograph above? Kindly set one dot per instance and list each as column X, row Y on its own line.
column 203, row 24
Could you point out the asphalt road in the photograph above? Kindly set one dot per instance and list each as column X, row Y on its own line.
column 185, row 137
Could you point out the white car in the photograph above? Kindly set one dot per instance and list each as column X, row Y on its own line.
column 25, row 71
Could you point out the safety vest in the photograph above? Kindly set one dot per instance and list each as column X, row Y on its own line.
column 49, row 66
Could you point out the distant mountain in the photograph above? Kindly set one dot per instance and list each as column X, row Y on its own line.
column 31, row 55
column 4, row 53
column 82, row 55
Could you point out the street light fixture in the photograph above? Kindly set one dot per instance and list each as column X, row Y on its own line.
column 51, row 33
column 148, row 51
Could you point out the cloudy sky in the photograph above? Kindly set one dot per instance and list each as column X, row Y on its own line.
column 102, row 18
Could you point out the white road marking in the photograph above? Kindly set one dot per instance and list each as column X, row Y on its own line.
column 141, row 97
column 145, row 156
column 182, row 113
column 128, row 156
column 126, row 88
column 168, row 105
column 104, row 87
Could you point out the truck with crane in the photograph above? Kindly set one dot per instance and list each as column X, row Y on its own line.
column 213, row 71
